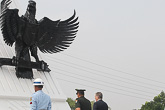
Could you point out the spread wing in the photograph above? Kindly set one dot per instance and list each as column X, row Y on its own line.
column 55, row 36
column 9, row 21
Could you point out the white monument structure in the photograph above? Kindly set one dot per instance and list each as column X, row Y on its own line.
column 15, row 93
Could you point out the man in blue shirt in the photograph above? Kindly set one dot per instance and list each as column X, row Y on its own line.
column 39, row 100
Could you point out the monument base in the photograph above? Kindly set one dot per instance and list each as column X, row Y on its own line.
column 15, row 92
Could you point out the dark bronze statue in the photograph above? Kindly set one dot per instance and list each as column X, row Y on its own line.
column 28, row 34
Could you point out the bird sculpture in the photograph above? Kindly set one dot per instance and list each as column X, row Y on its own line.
column 29, row 35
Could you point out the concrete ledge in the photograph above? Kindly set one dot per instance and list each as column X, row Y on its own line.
column 2, row 97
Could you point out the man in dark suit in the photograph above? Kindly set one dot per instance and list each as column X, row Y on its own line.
column 99, row 104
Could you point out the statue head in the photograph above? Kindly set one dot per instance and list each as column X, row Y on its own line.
column 31, row 7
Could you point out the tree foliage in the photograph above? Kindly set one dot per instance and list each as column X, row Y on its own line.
column 92, row 103
column 158, row 103
column 71, row 103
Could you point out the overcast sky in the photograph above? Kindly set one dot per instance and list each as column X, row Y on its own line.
column 125, row 35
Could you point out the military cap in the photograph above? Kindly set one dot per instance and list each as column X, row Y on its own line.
column 81, row 91
column 33, row 2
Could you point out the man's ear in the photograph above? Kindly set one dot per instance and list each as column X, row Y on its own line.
column 78, row 109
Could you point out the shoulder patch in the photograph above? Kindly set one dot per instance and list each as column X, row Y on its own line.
column 30, row 98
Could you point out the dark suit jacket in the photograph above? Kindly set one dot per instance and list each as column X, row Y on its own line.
column 100, row 105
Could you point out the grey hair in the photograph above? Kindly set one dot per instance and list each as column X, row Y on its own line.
column 99, row 95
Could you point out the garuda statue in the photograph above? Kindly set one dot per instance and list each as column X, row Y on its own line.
column 28, row 34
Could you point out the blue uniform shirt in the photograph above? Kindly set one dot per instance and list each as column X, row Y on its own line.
column 40, row 101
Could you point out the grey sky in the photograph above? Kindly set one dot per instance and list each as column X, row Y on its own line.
column 126, row 35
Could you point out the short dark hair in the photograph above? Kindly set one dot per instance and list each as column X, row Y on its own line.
column 39, row 86
column 99, row 95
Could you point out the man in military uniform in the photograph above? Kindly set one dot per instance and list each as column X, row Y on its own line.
column 81, row 102
column 39, row 100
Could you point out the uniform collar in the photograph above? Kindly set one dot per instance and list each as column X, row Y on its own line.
column 99, row 100
column 81, row 97
column 39, row 91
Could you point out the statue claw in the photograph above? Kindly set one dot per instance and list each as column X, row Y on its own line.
column 14, row 61
column 43, row 66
